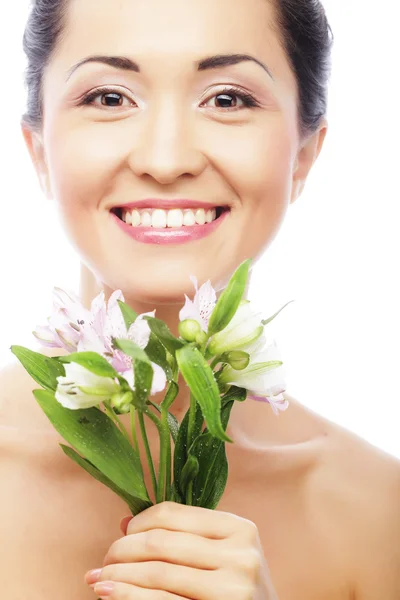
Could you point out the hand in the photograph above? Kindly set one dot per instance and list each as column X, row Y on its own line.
column 175, row 552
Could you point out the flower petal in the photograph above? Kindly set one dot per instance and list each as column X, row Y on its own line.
column 159, row 379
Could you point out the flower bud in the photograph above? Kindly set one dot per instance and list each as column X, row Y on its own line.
column 122, row 401
column 189, row 329
column 237, row 359
column 201, row 338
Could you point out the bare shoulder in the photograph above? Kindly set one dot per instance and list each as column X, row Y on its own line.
column 363, row 485
column 18, row 407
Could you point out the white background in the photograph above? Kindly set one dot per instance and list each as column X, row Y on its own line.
column 336, row 255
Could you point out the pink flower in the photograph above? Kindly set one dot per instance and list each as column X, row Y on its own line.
column 201, row 307
column 76, row 329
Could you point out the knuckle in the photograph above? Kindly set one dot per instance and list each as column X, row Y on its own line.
column 164, row 510
column 154, row 541
column 251, row 531
column 249, row 563
column 157, row 575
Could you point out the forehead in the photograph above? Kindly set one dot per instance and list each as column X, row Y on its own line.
column 171, row 33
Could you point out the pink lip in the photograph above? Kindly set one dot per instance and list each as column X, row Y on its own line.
column 169, row 235
column 168, row 204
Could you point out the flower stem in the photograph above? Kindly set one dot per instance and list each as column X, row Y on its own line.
column 148, row 451
column 133, row 428
column 189, row 494
column 164, row 474
column 110, row 412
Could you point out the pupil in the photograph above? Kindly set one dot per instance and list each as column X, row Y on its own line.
column 116, row 98
column 225, row 98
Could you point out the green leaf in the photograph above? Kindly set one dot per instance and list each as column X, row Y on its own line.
column 143, row 380
column 200, row 379
column 131, row 349
column 234, row 393
column 136, row 505
column 160, row 329
column 157, row 354
column 91, row 361
column 266, row 321
column 181, row 449
column 210, row 483
column 94, row 435
column 189, row 472
column 128, row 314
column 229, row 300
column 42, row 369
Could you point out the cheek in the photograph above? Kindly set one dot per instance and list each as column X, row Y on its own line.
column 83, row 164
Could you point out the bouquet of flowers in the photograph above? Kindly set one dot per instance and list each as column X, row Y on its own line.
column 118, row 360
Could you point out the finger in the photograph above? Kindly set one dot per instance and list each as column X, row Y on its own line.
column 208, row 523
column 154, row 575
column 124, row 591
column 176, row 547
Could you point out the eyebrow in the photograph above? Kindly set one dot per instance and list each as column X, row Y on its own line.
column 211, row 62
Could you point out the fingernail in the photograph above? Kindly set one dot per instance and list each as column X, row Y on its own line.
column 104, row 588
column 93, row 576
column 124, row 523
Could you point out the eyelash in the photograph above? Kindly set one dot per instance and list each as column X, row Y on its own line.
column 247, row 98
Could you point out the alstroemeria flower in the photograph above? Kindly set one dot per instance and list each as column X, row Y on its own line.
column 64, row 324
column 76, row 329
column 263, row 382
column 243, row 330
column 81, row 388
column 201, row 307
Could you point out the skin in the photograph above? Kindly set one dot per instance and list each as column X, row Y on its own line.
column 295, row 504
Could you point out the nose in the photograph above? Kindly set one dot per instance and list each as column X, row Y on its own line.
column 166, row 148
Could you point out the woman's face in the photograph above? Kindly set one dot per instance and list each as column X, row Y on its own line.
column 170, row 132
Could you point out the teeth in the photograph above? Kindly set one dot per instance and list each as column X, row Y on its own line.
column 145, row 219
column 200, row 216
column 135, row 218
column 188, row 218
column 175, row 218
column 159, row 218
column 169, row 218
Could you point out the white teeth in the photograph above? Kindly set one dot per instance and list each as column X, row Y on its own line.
column 189, row 219
column 161, row 218
column 145, row 219
column 200, row 216
column 135, row 218
column 175, row 218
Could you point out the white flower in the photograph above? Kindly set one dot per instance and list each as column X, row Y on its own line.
column 264, row 381
column 81, row 388
column 201, row 307
column 159, row 379
column 241, row 333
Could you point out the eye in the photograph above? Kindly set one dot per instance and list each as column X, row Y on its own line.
column 225, row 97
column 110, row 98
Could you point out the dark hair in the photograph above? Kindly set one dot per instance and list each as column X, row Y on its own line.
column 302, row 26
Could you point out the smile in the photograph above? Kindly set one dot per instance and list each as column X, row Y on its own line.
column 175, row 226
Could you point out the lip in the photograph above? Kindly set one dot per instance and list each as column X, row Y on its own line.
column 170, row 235
column 168, row 204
